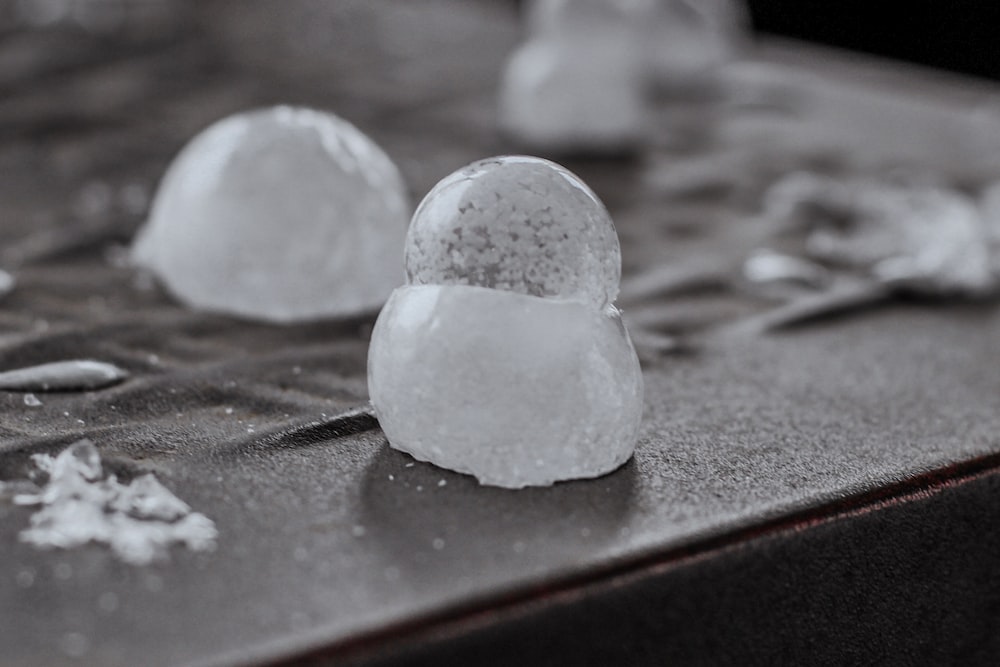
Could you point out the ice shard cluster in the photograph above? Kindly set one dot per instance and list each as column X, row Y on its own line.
column 279, row 214
column 79, row 504
column 504, row 356
column 581, row 80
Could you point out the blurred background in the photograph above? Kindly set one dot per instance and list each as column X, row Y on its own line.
column 958, row 35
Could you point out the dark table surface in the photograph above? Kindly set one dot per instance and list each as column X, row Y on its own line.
column 327, row 537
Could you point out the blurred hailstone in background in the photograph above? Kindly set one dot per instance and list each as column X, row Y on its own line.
column 582, row 80
column 279, row 214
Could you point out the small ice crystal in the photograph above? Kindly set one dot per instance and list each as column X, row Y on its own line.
column 279, row 214
column 78, row 505
column 505, row 349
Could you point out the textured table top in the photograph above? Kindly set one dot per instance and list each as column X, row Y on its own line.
column 329, row 538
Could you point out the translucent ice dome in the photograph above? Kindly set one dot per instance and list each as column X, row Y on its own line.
column 504, row 357
column 278, row 214
column 516, row 223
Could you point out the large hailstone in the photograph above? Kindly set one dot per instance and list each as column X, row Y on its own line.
column 504, row 357
column 280, row 214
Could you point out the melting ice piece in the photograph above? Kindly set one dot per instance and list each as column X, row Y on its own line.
column 279, row 214
column 78, row 505
column 62, row 376
column 504, row 357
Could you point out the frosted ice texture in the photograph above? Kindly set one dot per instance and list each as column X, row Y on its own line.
column 78, row 505
column 278, row 214
column 514, row 223
column 504, row 358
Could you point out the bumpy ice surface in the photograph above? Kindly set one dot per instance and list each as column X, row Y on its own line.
column 278, row 214
column 520, row 224
column 504, row 358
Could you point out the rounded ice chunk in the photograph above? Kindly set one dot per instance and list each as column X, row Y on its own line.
column 278, row 214
column 513, row 389
column 504, row 356
column 516, row 223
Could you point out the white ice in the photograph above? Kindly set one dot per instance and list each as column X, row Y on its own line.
column 79, row 504
column 516, row 223
column 279, row 214
column 505, row 358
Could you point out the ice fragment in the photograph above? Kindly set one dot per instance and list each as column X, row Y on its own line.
column 78, row 505
column 516, row 223
column 62, row 376
column 279, row 214
column 576, row 84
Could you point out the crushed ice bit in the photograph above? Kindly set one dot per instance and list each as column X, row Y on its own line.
column 71, row 375
column 508, row 331
column 279, row 214
column 566, row 98
column 31, row 400
column 78, row 504
column 926, row 239
column 7, row 283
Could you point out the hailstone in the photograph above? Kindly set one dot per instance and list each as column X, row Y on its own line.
column 504, row 356
column 279, row 214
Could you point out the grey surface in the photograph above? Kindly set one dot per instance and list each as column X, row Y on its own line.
column 326, row 534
